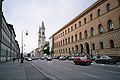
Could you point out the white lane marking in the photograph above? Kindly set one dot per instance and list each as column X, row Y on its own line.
column 90, row 75
column 44, row 72
column 68, row 68
column 112, row 71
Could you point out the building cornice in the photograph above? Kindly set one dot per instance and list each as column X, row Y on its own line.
column 93, row 6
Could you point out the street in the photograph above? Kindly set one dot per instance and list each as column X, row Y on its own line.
column 66, row 70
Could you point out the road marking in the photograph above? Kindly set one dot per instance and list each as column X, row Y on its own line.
column 112, row 71
column 68, row 68
column 90, row 75
column 54, row 78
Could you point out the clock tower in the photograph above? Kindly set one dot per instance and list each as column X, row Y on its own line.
column 41, row 35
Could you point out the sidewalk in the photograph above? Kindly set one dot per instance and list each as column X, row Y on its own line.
column 12, row 71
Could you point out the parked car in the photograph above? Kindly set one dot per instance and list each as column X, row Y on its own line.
column 42, row 58
column 28, row 59
column 71, row 58
column 49, row 58
column 83, row 60
column 62, row 58
column 106, row 60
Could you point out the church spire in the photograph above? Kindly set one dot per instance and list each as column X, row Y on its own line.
column 43, row 27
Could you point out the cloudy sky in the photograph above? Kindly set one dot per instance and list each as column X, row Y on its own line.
column 29, row 14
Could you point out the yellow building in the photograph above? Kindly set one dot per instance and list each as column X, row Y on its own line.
column 94, row 31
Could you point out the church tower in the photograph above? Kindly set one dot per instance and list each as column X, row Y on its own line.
column 41, row 35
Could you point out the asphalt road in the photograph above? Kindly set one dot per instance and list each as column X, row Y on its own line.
column 67, row 70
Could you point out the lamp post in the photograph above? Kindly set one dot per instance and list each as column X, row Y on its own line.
column 22, row 44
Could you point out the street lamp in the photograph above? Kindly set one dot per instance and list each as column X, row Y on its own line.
column 22, row 44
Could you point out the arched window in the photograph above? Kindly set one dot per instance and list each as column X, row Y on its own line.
column 80, row 36
column 85, row 34
column 93, row 46
column 100, row 29
column 84, row 20
column 71, row 38
column 66, row 50
column 68, row 30
column 108, row 7
column 65, row 32
column 68, row 39
column 111, row 44
column 92, row 32
column 75, row 37
column 98, row 12
column 101, row 45
column 79, row 23
column 91, row 16
column 61, row 42
column 71, row 28
column 75, row 26
column 110, row 25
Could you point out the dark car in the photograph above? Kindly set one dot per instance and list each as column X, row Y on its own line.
column 82, row 60
column 105, row 60
column 49, row 58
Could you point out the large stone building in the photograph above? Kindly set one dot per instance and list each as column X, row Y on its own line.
column 96, row 31
column 9, row 47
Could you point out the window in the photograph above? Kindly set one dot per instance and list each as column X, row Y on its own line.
column 108, row 7
column 101, row 45
column 91, row 16
column 75, row 37
column 71, row 28
column 79, row 23
column 98, row 12
column 80, row 36
column 75, row 26
column 110, row 25
column 66, row 50
column 68, row 39
column 84, row 20
column 100, row 29
column 68, row 30
column 61, row 42
column 71, row 38
column 111, row 44
column 93, row 46
column 65, row 32
column 92, row 32
column 85, row 33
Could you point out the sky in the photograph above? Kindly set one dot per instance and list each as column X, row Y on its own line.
column 29, row 14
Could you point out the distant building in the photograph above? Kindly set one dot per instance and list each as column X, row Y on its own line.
column 95, row 31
